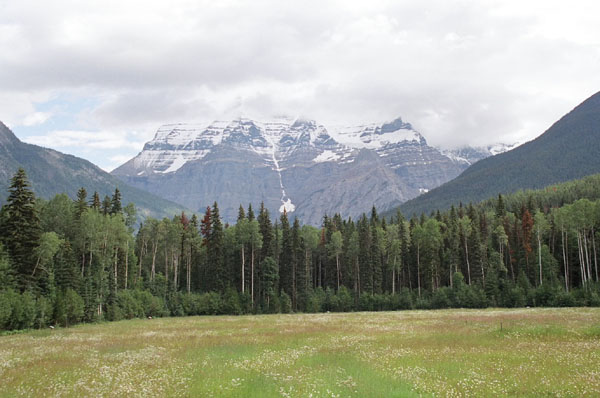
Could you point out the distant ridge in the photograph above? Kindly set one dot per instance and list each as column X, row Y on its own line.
column 569, row 149
column 51, row 172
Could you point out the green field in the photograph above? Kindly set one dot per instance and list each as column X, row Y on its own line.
column 450, row 353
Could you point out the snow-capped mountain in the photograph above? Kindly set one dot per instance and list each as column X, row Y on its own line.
column 293, row 164
column 469, row 155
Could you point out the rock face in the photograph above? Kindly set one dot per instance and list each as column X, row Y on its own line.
column 292, row 164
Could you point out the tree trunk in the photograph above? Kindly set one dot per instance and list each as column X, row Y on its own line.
column 595, row 257
column 540, row 255
column 564, row 253
column 252, row 276
column 418, row 270
column 467, row 258
column 153, row 269
column 243, row 269
column 337, row 267
column 126, row 262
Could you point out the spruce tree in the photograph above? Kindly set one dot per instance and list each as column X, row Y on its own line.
column 106, row 205
column 216, row 260
column 364, row 256
column 21, row 228
column 286, row 273
column 266, row 230
column 115, row 203
column 95, row 202
column 80, row 203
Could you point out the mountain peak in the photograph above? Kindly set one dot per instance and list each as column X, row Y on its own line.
column 7, row 137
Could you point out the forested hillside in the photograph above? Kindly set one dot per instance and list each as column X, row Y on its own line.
column 65, row 261
column 569, row 149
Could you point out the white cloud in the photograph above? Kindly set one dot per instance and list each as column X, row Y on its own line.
column 65, row 139
column 460, row 72
column 33, row 119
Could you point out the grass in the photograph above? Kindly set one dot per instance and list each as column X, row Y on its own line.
column 449, row 353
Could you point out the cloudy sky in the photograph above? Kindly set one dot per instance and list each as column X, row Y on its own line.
column 97, row 78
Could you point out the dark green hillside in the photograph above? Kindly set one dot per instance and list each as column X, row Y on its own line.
column 568, row 150
column 52, row 172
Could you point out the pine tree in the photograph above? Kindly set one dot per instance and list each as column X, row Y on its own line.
column 20, row 229
column 500, row 209
column 67, row 275
column 115, row 203
column 364, row 257
column 286, row 272
column 217, row 275
column 106, row 205
column 80, row 203
column 95, row 203
column 266, row 230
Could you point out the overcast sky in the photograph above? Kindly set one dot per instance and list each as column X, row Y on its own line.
column 96, row 79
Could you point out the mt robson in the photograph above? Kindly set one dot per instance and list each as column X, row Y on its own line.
column 293, row 164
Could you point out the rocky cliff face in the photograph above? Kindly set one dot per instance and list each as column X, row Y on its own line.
column 297, row 165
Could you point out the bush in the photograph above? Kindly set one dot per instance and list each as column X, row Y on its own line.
column 316, row 299
column 69, row 308
column 564, row 299
column 344, row 299
column 404, row 300
column 231, row 303
column 286, row 303
column 331, row 301
column 7, row 298
column 441, row 298
column 366, row 302
column 129, row 306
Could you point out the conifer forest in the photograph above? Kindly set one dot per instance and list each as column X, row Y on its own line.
column 65, row 261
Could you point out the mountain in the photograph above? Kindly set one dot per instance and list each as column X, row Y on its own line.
column 293, row 164
column 469, row 154
column 569, row 149
column 51, row 172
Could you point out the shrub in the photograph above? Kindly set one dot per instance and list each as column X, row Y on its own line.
column 286, row 303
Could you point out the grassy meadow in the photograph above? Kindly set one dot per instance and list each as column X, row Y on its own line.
column 449, row 353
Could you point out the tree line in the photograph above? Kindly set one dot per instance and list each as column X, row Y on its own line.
column 65, row 261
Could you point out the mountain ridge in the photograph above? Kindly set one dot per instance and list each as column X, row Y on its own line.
column 293, row 164
column 51, row 172
column 568, row 149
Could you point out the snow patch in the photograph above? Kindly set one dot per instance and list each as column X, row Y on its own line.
column 327, row 156
column 288, row 206
column 177, row 163
column 370, row 137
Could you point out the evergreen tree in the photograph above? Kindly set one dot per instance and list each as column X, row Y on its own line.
column 115, row 203
column 80, row 202
column 95, row 203
column 106, row 205
column 266, row 230
column 217, row 275
column 286, row 272
column 364, row 257
column 20, row 228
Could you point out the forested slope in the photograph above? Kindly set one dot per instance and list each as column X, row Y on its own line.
column 568, row 150
column 52, row 172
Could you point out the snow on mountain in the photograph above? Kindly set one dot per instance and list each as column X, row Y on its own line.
column 296, row 165
column 469, row 155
